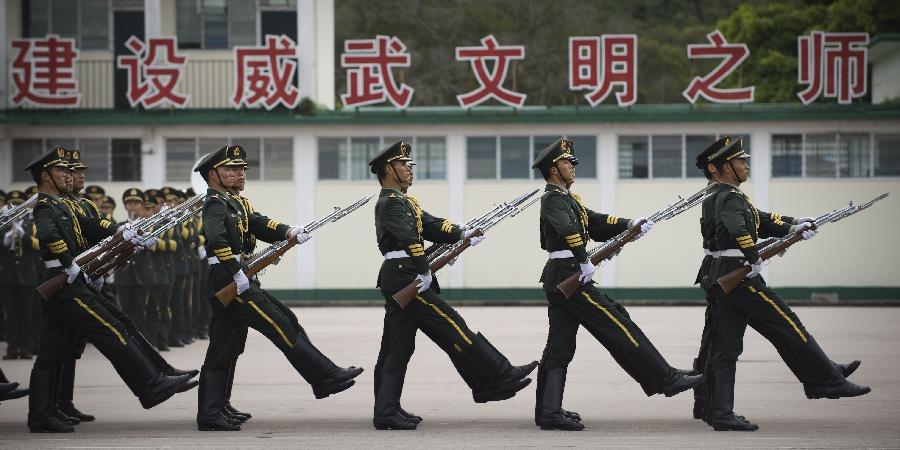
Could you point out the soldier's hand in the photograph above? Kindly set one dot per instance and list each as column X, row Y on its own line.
column 587, row 272
column 755, row 268
column 73, row 271
column 127, row 233
column 473, row 240
column 807, row 233
column 201, row 252
column 799, row 220
column 425, row 280
column 97, row 282
column 303, row 237
column 141, row 241
column 645, row 227
column 294, row 230
column 242, row 282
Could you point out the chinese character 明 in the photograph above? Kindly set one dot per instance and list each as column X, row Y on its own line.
column 264, row 75
column 705, row 86
column 154, row 69
column 490, row 81
column 43, row 72
column 602, row 63
column 369, row 76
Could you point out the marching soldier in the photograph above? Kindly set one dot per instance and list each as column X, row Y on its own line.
column 37, row 321
column 566, row 225
column 401, row 226
column 737, row 227
column 17, row 281
column 231, row 226
column 770, row 225
column 75, row 310
column 180, row 289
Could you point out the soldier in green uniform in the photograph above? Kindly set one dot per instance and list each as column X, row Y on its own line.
column 401, row 226
column 133, row 281
column 37, row 321
column 180, row 289
column 157, row 305
column 108, row 208
column 76, row 309
column 200, row 313
column 737, row 227
column 565, row 226
column 4, row 268
column 18, row 245
column 770, row 225
column 231, row 226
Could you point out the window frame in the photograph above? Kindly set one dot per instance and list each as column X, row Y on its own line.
column 108, row 175
column 111, row 8
column 870, row 135
column 257, row 21
column 650, row 147
column 532, row 153
column 263, row 151
column 382, row 143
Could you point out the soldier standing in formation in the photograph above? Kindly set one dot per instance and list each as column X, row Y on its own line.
column 76, row 311
column 566, row 225
column 231, row 228
column 737, row 226
column 18, row 277
column 401, row 225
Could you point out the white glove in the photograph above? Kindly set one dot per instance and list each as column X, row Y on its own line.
column 587, row 272
column 755, row 268
column 473, row 241
column 17, row 227
column 73, row 271
column 645, row 227
column 97, row 283
column 143, row 241
column 295, row 230
column 201, row 252
column 303, row 237
column 8, row 239
column 424, row 281
column 127, row 232
column 242, row 282
column 807, row 234
column 800, row 220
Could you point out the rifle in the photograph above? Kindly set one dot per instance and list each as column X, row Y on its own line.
column 114, row 252
column 447, row 253
column 731, row 280
column 10, row 214
column 612, row 247
column 271, row 255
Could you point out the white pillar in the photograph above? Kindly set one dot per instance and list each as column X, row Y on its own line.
column 305, row 164
column 152, row 19
column 608, row 174
column 6, row 174
column 315, row 50
column 4, row 39
column 456, row 181
column 306, row 47
column 761, row 172
column 153, row 158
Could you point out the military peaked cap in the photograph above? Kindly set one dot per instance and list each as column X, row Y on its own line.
column 561, row 149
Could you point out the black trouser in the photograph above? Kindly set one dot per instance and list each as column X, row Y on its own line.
column 752, row 302
column 164, row 306
column 177, row 304
column 201, row 312
column 134, row 303
column 610, row 324
column 153, row 314
column 18, row 307
column 187, row 308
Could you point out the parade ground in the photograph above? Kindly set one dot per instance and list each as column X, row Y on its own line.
column 615, row 411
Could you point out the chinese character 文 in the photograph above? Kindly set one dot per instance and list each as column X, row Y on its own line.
column 490, row 82
column 833, row 63
column 601, row 63
column 369, row 76
column 154, row 69
column 705, row 86
column 43, row 72
column 265, row 75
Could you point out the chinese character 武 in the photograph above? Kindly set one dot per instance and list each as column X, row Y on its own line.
column 369, row 76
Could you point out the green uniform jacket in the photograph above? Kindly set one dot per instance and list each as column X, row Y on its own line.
column 138, row 273
column 63, row 235
column 566, row 224
column 738, row 224
column 231, row 227
column 402, row 224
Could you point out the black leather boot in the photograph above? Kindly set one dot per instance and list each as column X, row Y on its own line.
column 699, row 392
column 408, row 415
column 549, row 404
column 141, row 375
column 847, row 369
column 211, row 402
column 503, row 380
column 721, row 402
column 229, row 383
column 387, row 414
column 41, row 406
column 325, row 377
column 837, row 390
column 67, row 393
column 11, row 394
column 682, row 383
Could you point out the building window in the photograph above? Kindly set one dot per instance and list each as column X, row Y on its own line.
column 829, row 155
column 348, row 158
column 269, row 159
column 665, row 156
column 106, row 159
column 887, row 155
column 89, row 22
column 224, row 24
column 511, row 157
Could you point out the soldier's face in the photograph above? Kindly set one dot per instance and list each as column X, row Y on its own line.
column 61, row 178
column 233, row 178
column 404, row 174
column 566, row 171
column 78, row 179
column 741, row 169
column 134, row 208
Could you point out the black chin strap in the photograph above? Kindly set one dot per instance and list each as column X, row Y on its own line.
column 736, row 177
column 396, row 175
column 53, row 180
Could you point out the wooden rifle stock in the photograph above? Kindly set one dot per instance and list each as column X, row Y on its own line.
column 407, row 294
column 228, row 293
column 733, row 279
column 50, row 287
column 571, row 284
